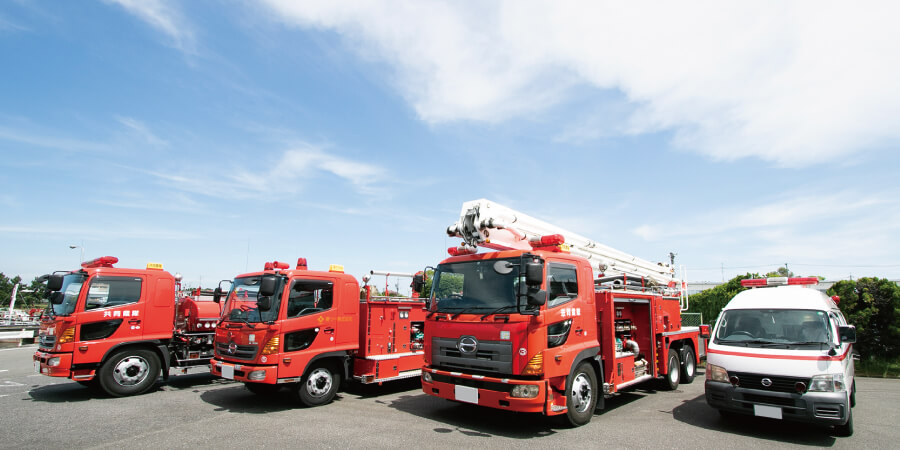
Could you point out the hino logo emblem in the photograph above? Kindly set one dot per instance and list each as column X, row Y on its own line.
column 467, row 345
column 766, row 382
column 232, row 347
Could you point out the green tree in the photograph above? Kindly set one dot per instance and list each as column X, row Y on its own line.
column 710, row 302
column 780, row 272
column 873, row 306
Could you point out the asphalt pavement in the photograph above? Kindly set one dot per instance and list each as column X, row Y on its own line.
column 201, row 411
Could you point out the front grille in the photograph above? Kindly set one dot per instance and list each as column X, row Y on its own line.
column 828, row 411
column 491, row 356
column 779, row 384
column 46, row 341
column 245, row 352
column 769, row 400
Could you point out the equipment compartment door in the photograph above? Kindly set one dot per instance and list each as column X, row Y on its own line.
column 310, row 326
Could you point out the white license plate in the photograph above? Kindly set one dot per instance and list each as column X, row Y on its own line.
column 772, row 412
column 227, row 371
column 37, row 366
column 466, row 394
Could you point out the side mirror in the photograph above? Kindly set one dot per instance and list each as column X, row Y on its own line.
column 57, row 297
column 54, row 282
column 537, row 298
column 264, row 303
column 704, row 331
column 847, row 334
column 217, row 295
column 267, row 286
column 418, row 282
column 534, row 274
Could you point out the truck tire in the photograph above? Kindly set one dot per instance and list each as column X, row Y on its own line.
column 845, row 430
column 262, row 388
column 853, row 394
column 688, row 365
column 671, row 380
column 318, row 386
column 581, row 395
column 129, row 372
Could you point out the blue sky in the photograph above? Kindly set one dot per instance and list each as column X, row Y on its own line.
column 214, row 137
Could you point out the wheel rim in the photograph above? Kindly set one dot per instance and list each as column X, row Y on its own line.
column 689, row 365
column 131, row 371
column 581, row 393
column 673, row 370
column 319, row 382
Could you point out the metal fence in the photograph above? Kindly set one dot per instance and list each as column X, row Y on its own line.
column 691, row 319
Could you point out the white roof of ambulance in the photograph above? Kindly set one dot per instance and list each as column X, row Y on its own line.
column 781, row 297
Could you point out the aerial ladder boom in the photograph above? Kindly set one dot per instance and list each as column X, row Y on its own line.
column 483, row 223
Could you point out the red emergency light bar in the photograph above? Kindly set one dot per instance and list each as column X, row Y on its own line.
column 460, row 251
column 778, row 281
column 276, row 265
column 301, row 264
column 103, row 261
column 550, row 239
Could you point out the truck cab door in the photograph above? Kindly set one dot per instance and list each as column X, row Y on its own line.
column 111, row 312
column 310, row 325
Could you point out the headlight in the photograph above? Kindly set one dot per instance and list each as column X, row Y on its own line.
column 716, row 373
column 426, row 377
column 827, row 383
column 525, row 391
column 53, row 362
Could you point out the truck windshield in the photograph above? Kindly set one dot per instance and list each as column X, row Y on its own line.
column 240, row 306
column 774, row 328
column 71, row 288
column 475, row 286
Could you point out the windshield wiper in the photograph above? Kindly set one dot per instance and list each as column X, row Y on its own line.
column 464, row 310
column 241, row 320
column 497, row 310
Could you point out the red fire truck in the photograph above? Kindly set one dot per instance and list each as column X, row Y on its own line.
column 529, row 327
column 116, row 329
column 309, row 330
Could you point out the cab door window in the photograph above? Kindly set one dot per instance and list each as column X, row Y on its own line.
column 309, row 297
column 562, row 284
column 107, row 292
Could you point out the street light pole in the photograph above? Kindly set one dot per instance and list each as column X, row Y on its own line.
column 73, row 247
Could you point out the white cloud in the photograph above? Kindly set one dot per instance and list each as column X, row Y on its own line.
column 768, row 218
column 287, row 175
column 794, row 83
column 142, row 130
column 40, row 138
column 164, row 16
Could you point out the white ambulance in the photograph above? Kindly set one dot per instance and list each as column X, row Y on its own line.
column 783, row 351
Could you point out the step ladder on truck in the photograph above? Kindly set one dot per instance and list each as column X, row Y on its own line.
column 549, row 322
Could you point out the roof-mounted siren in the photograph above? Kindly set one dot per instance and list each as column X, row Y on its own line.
column 103, row 261
column 276, row 265
column 779, row 281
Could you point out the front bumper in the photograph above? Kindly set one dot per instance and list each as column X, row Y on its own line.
column 830, row 408
column 241, row 372
column 62, row 369
column 488, row 391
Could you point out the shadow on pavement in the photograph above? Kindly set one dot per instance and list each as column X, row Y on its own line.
column 698, row 413
column 64, row 393
column 238, row 399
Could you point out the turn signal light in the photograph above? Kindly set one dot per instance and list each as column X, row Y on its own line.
column 67, row 336
column 271, row 346
column 535, row 366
